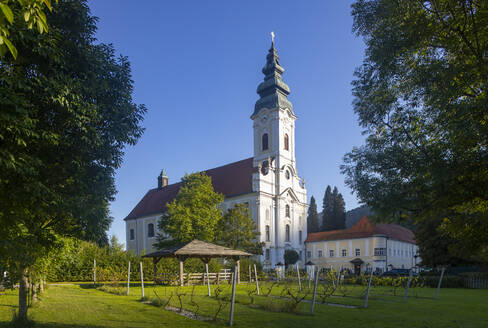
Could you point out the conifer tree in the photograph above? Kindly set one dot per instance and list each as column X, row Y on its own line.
column 328, row 210
column 313, row 217
column 338, row 210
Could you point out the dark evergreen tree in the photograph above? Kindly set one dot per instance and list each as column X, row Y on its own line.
column 338, row 210
column 313, row 217
column 327, row 210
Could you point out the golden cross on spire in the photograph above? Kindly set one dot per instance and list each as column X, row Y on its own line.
column 272, row 36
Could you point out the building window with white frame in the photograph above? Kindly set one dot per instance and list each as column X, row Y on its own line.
column 380, row 251
column 320, row 253
column 287, row 233
column 331, row 253
column 358, row 252
column 344, row 252
column 131, row 234
column 309, row 254
column 267, row 233
column 264, row 142
column 150, row 230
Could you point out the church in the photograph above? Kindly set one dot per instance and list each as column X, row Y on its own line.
column 268, row 182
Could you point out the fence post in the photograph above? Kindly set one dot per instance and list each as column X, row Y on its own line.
column 142, row 279
column 208, row 280
column 128, row 279
column 94, row 272
column 234, row 276
column 256, row 277
column 299, row 281
column 439, row 284
column 408, row 285
column 367, row 291
column 314, row 290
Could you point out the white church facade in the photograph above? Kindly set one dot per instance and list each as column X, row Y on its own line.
column 268, row 182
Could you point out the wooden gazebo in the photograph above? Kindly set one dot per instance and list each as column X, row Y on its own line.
column 197, row 249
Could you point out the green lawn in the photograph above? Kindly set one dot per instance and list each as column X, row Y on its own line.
column 80, row 306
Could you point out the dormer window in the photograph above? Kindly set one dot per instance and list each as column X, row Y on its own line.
column 264, row 142
column 287, row 142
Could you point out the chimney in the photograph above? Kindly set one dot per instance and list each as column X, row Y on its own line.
column 162, row 180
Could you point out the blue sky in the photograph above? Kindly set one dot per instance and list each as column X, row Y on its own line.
column 196, row 66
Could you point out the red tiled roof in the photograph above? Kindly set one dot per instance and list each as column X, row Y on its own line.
column 363, row 229
column 229, row 180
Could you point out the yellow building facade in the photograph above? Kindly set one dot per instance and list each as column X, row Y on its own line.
column 363, row 247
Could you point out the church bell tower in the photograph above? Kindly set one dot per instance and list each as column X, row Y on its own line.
column 282, row 193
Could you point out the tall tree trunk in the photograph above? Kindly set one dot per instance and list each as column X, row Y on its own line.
column 34, row 289
column 23, row 292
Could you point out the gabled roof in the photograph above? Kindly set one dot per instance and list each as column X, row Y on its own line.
column 197, row 248
column 363, row 229
column 229, row 180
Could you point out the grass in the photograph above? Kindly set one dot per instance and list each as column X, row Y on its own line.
column 81, row 306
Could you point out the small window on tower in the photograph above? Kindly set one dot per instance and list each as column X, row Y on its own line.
column 287, row 210
column 287, row 233
column 131, row 237
column 264, row 142
column 287, row 143
column 267, row 233
column 287, row 175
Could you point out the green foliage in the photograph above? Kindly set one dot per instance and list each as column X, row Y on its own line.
column 238, row 230
column 29, row 12
column 291, row 257
column 312, row 217
column 193, row 214
column 421, row 97
column 333, row 210
column 67, row 114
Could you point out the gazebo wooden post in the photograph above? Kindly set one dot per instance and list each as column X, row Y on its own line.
column 182, row 281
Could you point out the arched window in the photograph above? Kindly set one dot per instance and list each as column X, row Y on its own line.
column 287, row 233
column 264, row 142
column 267, row 233
column 150, row 230
column 287, row 210
column 300, row 237
column 287, row 143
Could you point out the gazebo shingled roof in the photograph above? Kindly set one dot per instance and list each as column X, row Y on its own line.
column 197, row 248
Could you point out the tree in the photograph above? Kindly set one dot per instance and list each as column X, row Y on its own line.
column 334, row 212
column 31, row 12
column 338, row 210
column 193, row 214
column 312, row 217
column 67, row 114
column 421, row 97
column 328, row 210
column 238, row 231
column 291, row 257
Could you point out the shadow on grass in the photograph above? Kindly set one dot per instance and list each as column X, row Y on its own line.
column 121, row 284
column 50, row 325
